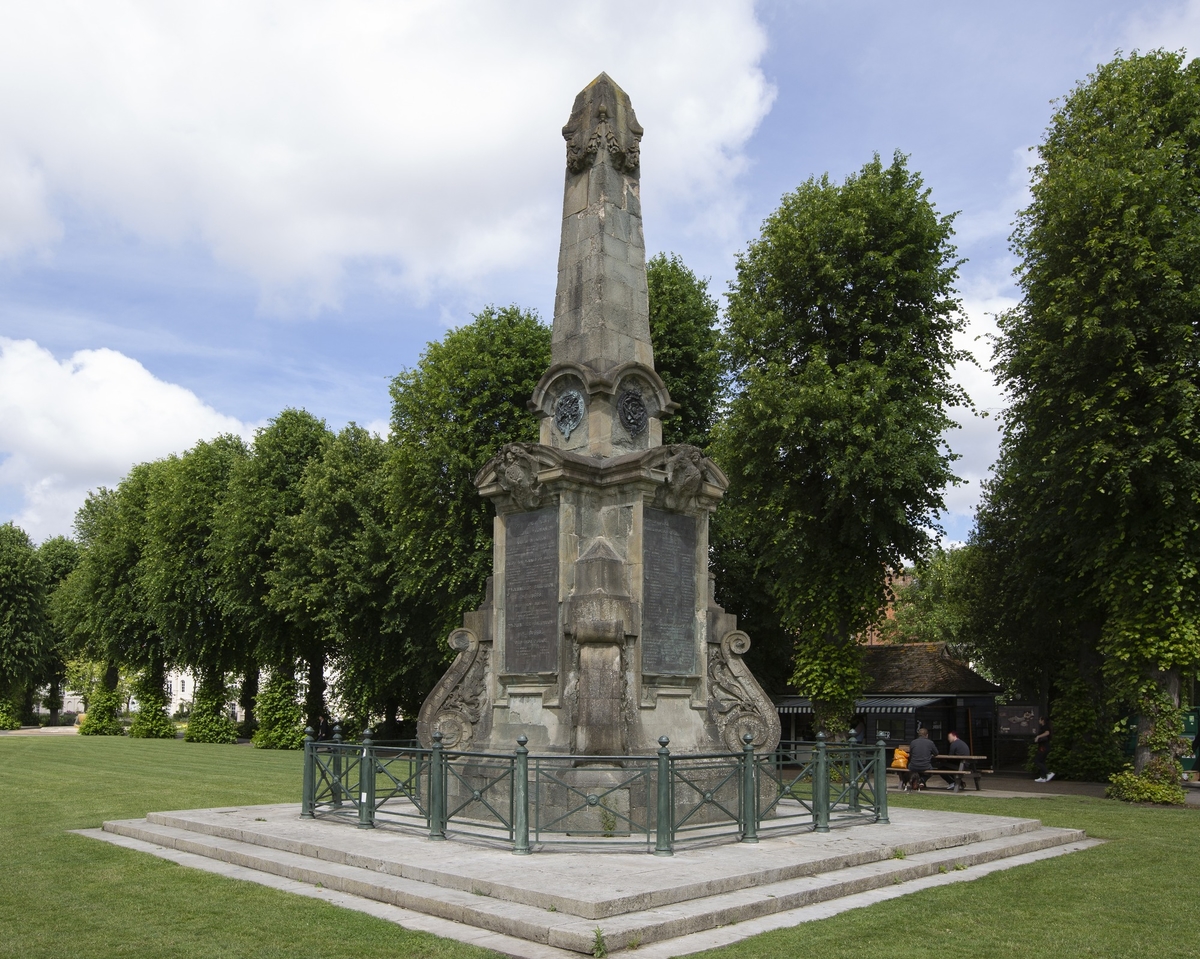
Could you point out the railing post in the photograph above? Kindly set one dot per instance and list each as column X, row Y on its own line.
column 437, row 790
column 521, row 799
column 881, row 800
column 665, row 819
column 337, row 765
column 308, row 797
column 821, row 787
column 854, row 768
column 366, row 783
column 749, row 791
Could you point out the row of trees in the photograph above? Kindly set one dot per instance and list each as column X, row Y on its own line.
column 827, row 397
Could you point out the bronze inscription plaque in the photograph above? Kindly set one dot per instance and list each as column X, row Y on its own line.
column 668, row 593
column 531, row 592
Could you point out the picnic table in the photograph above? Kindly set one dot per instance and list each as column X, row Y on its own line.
column 966, row 767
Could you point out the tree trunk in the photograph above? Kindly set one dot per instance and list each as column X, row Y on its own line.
column 249, row 696
column 54, row 700
column 1168, row 683
column 314, row 700
column 112, row 676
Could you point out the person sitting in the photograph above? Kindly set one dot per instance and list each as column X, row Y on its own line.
column 921, row 752
column 957, row 748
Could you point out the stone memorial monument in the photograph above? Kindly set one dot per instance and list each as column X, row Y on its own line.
column 600, row 632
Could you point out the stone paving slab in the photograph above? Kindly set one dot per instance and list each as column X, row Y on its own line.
column 576, row 884
column 513, row 946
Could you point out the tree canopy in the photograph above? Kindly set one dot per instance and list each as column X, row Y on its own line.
column 1097, row 491
column 840, row 343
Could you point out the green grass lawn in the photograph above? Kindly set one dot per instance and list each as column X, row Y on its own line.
column 62, row 895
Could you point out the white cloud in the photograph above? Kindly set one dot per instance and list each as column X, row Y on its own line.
column 73, row 425
column 1171, row 27
column 296, row 138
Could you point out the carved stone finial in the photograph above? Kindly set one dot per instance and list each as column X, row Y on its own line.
column 603, row 124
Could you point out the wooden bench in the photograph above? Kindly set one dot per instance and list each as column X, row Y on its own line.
column 976, row 774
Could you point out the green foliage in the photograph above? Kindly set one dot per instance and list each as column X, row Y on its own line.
column 10, row 713
column 280, row 720
column 599, row 946
column 1094, row 506
column 1130, row 787
column 1085, row 744
column 335, row 565
column 839, row 339
column 935, row 606
column 207, row 722
column 25, row 640
column 103, row 707
column 453, row 412
column 263, row 490
column 683, row 331
column 151, row 720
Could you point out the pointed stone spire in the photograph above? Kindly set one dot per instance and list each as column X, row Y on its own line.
column 601, row 312
column 601, row 396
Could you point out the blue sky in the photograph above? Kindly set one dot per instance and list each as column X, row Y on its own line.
column 210, row 212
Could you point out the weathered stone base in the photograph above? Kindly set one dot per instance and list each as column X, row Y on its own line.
column 555, row 908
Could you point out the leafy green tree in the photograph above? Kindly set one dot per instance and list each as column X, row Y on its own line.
column 336, row 565
column 683, row 330
column 1100, row 457
column 932, row 607
column 25, row 639
column 179, row 577
column 102, row 608
column 450, row 414
column 263, row 490
column 839, row 339
column 59, row 556
column 281, row 723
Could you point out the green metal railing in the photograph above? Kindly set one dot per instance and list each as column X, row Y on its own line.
column 656, row 802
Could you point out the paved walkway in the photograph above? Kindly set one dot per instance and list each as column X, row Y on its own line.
column 41, row 731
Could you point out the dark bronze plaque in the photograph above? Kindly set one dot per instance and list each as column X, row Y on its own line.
column 531, row 592
column 668, row 593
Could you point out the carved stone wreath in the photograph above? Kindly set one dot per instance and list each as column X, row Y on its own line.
column 568, row 412
column 631, row 410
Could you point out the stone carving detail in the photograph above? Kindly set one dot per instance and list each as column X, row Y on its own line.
column 588, row 135
column 516, row 472
column 631, row 410
column 685, row 478
column 568, row 412
column 737, row 703
column 455, row 705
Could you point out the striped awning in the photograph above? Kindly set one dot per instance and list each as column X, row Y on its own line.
column 891, row 705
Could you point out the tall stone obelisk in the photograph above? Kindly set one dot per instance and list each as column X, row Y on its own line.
column 600, row 633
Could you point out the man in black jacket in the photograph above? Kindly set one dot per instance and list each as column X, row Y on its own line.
column 920, row 758
column 957, row 748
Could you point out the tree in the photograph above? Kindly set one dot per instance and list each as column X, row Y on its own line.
column 450, row 414
column 24, row 625
column 933, row 606
column 59, row 556
column 839, row 339
column 1101, row 451
column 336, row 566
column 179, row 578
column 683, row 330
column 102, row 606
column 263, row 490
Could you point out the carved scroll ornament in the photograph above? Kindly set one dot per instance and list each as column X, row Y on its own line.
column 516, row 472
column 456, row 703
column 737, row 702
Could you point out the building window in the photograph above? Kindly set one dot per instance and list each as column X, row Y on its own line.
column 169, row 692
column 182, row 686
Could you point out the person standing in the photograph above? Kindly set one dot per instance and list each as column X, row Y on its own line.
column 957, row 748
column 1042, row 739
column 920, row 758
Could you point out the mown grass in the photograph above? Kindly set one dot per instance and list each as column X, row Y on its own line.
column 64, row 895
column 1138, row 895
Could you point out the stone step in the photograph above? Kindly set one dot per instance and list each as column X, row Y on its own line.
column 576, row 933
column 492, row 871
